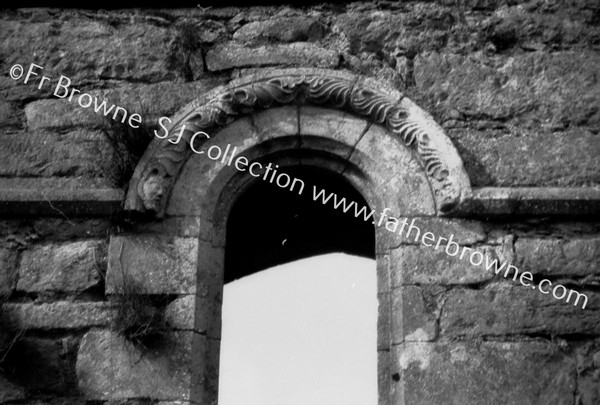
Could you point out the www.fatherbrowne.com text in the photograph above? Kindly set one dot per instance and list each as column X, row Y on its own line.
column 475, row 257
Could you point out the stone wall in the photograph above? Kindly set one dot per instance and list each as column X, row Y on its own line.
column 515, row 86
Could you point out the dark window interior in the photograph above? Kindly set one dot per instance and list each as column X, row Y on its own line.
column 269, row 225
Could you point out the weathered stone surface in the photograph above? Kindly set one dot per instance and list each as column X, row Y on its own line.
column 82, row 49
column 286, row 29
column 154, row 264
column 61, row 229
column 112, row 368
column 45, row 364
column 8, row 114
column 9, row 391
column 151, row 102
column 338, row 125
column 414, row 313
column 275, row 122
column 464, row 373
column 393, row 166
column 570, row 257
column 537, row 158
column 537, row 201
column 76, row 153
column 175, row 226
column 411, row 29
column 8, row 271
column 65, row 267
column 523, row 311
column 180, row 314
column 297, row 54
column 58, row 114
column 588, row 367
column 530, row 88
column 426, row 265
column 588, row 389
column 536, row 28
column 68, row 400
column 386, row 323
column 58, row 315
column 462, row 231
column 175, row 403
column 51, row 196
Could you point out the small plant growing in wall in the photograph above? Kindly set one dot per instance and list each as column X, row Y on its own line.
column 128, row 146
column 137, row 316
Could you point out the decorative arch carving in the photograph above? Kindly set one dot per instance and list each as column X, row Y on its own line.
column 157, row 172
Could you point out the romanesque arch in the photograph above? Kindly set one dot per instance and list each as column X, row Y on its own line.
column 360, row 96
column 380, row 142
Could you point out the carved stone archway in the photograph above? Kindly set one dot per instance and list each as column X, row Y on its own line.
column 156, row 173
column 380, row 142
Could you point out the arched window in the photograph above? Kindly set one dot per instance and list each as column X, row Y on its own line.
column 306, row 331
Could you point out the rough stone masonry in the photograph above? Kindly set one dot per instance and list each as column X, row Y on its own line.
column 513, row 84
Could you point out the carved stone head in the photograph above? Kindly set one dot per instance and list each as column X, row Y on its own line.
column 152, row 190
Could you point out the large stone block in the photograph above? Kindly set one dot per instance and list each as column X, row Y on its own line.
column 566, row 158
column 60, row 267
column 44, row 364
column 59, row 114
column 83, row 49
column 415, row 27
column 507, row 309
column 542, row 27
column 80, row 153
column 462, row 373
column 111, row 368
column 58, row 315
column 569, row 257
column 231, row 55
column 285, row 29
column 152, row 264
column 151, row 102
column 426, row 265
column 531, row 87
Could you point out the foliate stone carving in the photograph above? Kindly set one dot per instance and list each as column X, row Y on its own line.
column 158, row 170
